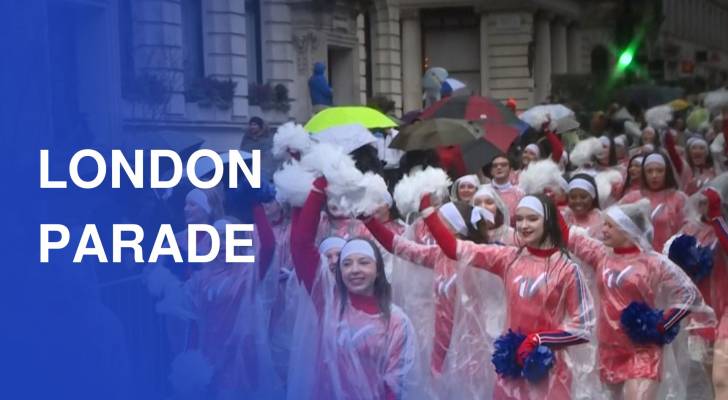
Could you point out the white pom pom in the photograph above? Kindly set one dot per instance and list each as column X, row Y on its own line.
column 632, row 129
column 585, row 151
column 411, row 188
column 716, row 100
column 159, row 279
column 658, row 117
column 290, row 137
column 338, row 168
column 293, row 183
column 375, row 194
column 539, row 175
column 190, row 375
column 605, row 183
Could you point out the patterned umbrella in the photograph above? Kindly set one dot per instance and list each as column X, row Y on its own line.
column 500, row 124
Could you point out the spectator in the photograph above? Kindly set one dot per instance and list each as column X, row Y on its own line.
column 320, row 91
column 259, row 137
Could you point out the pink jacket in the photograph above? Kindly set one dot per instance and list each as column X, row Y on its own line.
column 545, row 294
column 668, row 213
column 511, row 196
column 592, row 222
column 624, row 276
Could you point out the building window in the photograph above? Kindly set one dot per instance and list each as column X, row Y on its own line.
column 253, row 41
column 193, row 58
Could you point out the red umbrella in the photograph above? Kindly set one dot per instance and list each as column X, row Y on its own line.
column 499, row 122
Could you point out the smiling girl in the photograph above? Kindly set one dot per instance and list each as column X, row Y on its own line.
column 583, row 210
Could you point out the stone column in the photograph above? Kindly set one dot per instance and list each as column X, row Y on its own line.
column 542, row 64
column 573, row 38
column 411, row 60
column 484, row 64
column 558, row 47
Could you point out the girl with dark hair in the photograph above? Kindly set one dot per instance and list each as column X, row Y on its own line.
column 364, row 346
column 547, row 298
column 630, row 276
column 583, row 210
column 634, row 175
column 468, row 223
column 668, row 202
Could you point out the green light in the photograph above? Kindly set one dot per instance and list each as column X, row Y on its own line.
column 625, row 59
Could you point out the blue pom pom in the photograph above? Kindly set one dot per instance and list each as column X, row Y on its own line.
column 695, row 260
column 504, row 356
column 640, row 322
column 538, row 363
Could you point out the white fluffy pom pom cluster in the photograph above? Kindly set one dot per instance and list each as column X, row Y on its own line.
column 585, row 151
column 540, row 175
column 293, row 183
column 658, row 117
column 290, row 137
column 411, row 188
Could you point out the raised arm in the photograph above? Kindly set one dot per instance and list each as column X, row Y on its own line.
column 590, row 251
column 715, row 216
column 421, row 254
column 304, row 253
column 557, row 149
column 267, row 239
column 672, row 152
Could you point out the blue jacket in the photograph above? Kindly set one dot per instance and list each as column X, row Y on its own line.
column 319, row 88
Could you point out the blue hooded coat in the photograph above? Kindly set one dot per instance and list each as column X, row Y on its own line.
column 319, row 87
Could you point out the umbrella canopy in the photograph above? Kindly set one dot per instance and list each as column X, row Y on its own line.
column 696, row 118
column 714, row 101
column 647, row 96
column 566, row 124
column 454, row 84
column 500, row 123
column 432, row 133
column 337, row 116
column 534, row 116
column 434, row 77
column 679, row 104
column 348, row 137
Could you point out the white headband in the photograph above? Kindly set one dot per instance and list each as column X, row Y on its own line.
column 563, row 184
column 199, row 197
column 472, row 179
column 583, row 184
column 357, row 246
column 695, row 140
column 533, row 204
column 481, row 214
column 654, row 158
column 533, row 149
column 620, row 140
column 331, row 242
column 454, row 218
column 486, row 191
column 638, row 160
column 648, row 147
column 627, row 226
column 604, row 141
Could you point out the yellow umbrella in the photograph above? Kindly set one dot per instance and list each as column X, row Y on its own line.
column 679, row 104
column 337, row 116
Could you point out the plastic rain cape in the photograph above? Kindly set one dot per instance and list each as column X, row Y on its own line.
column 458, row 312
column 350, row 355
column 229, row 327
column 651, row 278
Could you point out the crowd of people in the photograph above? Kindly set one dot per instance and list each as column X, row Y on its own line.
column 592, row 269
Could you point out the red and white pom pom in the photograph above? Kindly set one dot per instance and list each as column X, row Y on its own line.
column 540, row 175
column 290, row 138
column 293, row 183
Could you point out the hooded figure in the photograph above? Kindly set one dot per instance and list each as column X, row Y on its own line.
column 318, row 86
column 628, row 271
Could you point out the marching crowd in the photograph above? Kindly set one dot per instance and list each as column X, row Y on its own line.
column 590, row 269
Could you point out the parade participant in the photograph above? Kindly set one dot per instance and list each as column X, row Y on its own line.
column 501, row 231
column 699, row 166
column 463, row 305
column 668, row 202
column 705, row 232
column 464, row 188
column 584, row 210
column 634, row 175
column 499, row 171
column 547, row 298
column 630, row 276
column 366, row 346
